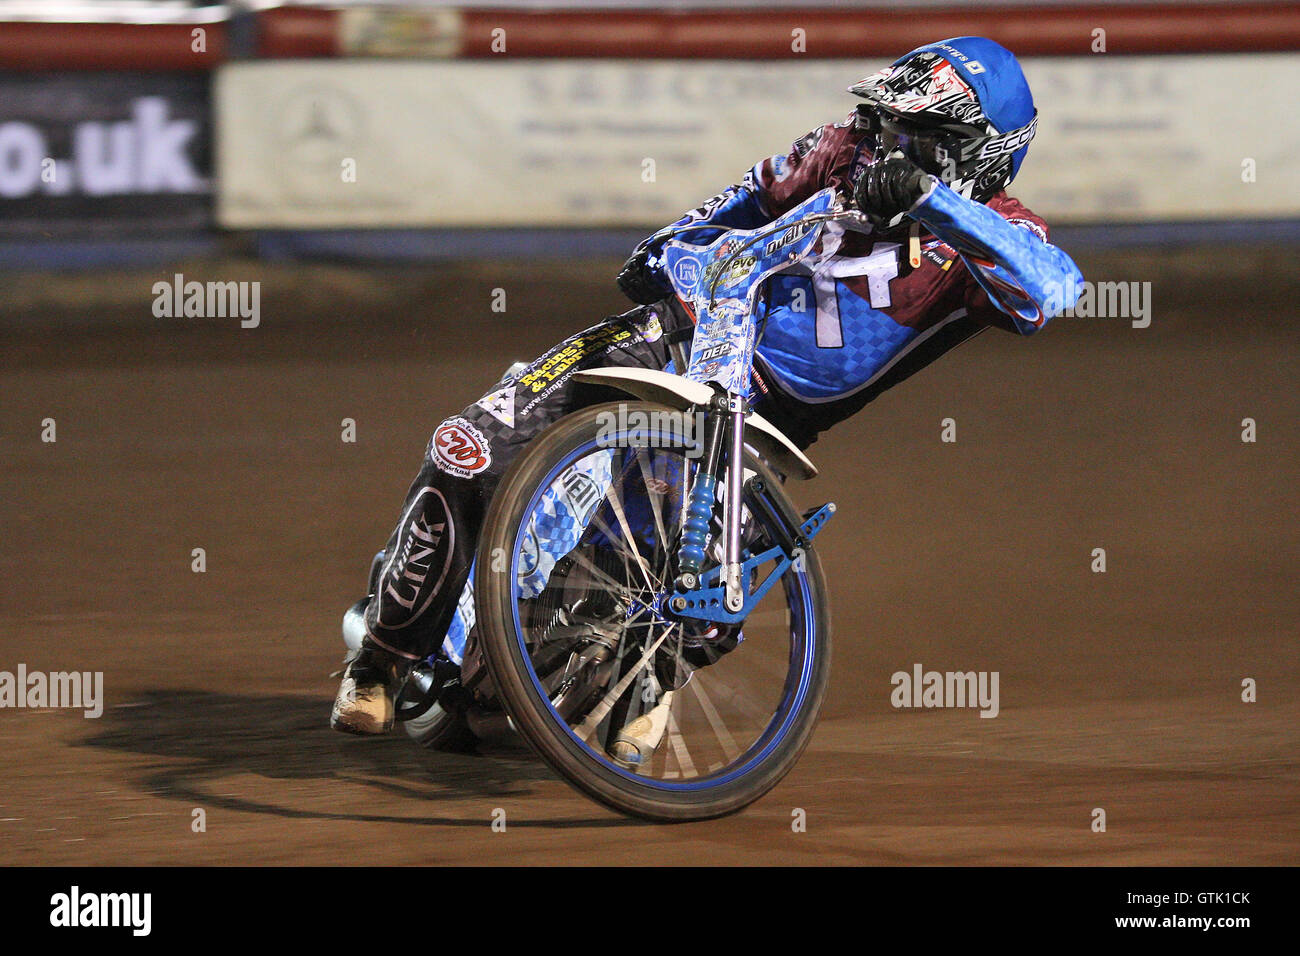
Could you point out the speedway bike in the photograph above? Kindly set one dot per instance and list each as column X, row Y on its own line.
column 646, row 607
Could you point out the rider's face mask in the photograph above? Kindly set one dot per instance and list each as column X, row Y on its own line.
column 936, row 151
column 963, row 157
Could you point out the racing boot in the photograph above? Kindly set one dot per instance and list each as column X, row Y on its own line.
column 637, row 742
column 371, row 681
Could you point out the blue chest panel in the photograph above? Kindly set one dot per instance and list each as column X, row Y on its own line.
column 827, row 349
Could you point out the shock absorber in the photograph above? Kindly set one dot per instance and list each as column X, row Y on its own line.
column 699, row 510
column 695, row 533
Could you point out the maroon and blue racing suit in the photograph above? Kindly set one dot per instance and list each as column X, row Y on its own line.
column 837, row 331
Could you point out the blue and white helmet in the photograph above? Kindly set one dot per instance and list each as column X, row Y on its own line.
column 972, row 92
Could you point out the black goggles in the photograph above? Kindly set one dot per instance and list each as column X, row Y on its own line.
column 935, row 149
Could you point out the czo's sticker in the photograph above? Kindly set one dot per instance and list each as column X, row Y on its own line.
column 459, row 448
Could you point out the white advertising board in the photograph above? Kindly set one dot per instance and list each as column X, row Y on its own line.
column 361, row 143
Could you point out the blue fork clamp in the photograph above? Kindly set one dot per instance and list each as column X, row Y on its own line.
column 706, row 602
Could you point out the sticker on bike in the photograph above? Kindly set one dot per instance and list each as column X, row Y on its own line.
column 460, row 449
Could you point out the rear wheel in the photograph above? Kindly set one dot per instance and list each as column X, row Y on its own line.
column 435, row 727
column 575, row 569
column 424, row 719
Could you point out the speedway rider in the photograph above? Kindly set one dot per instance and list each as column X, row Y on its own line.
column 942, row 254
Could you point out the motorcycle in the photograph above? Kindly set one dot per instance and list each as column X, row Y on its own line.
column 646, row 608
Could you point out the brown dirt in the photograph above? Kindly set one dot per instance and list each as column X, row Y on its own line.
column 1119, row 690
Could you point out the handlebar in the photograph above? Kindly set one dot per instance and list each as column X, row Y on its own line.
column 840, row 212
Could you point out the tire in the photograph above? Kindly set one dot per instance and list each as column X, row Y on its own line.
column 593, row 772
column 436, row 729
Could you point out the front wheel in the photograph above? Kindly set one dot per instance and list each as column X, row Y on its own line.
column 662, row 717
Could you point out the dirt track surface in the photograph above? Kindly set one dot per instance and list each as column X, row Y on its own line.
column 1119, row 690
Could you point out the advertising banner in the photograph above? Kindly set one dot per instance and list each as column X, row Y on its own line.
column 596, row 143
column 103, row 155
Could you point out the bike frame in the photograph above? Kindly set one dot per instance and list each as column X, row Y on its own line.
column 721, row 282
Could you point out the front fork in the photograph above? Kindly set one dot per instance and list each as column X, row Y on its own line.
column 737, row 408
column 724, row 428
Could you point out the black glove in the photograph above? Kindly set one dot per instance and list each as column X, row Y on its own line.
column 641, row 283
column 887, row 188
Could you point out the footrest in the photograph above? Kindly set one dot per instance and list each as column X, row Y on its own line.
column 815, row 519
column 707, row 602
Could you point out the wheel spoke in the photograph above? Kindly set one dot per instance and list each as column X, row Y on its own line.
column 656, row 497
column 597, row 714
column 728, row 742
column 734, row 699
column 641, row 563
column 620, row 543
column 680, row 750
column 618, row 587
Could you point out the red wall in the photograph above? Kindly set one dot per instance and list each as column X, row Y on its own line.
column 723, row 34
